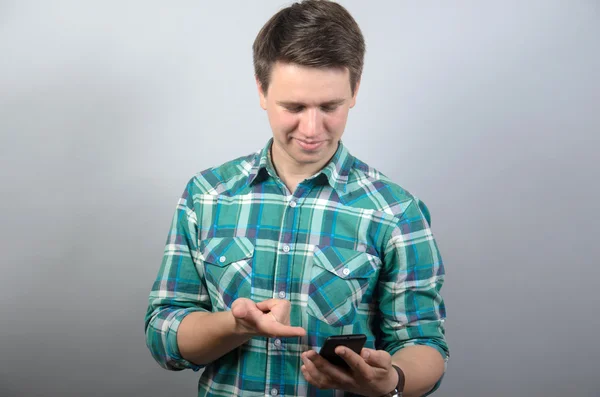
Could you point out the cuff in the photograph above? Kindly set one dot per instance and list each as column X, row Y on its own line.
column 174, row 359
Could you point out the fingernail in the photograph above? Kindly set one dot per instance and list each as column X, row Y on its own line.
column 366, row 353
column 342, row 351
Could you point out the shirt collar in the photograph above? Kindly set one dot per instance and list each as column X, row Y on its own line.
column 261, row 164
column 338, row 168
column 336, row 171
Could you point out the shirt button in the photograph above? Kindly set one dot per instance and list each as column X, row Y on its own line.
column 282, row 294
column 286, row 248
column 274, row 392
column 222, row 259
column 346, row 271
column 277, row 342
column 293, row 204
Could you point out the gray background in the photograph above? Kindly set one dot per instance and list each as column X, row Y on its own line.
column 488, row 111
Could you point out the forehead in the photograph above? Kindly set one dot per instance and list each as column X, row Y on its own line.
column 308, row 84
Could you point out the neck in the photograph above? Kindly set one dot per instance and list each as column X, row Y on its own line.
column 291, row 172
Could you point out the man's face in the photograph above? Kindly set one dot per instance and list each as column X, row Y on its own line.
column 307, row 109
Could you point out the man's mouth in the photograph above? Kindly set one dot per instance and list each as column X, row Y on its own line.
column 310, row 145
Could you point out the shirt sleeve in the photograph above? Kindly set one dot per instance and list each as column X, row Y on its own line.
column 411, row 307
column 179, row 288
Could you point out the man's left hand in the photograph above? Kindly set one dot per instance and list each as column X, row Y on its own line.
column 370, row 374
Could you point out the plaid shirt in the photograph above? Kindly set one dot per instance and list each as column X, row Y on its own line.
column 350, row 249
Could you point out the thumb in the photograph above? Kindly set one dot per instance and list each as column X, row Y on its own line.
column 376, row 358
column 240, row 308
column 239, row 311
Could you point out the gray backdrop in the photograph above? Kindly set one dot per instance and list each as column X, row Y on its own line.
column 488, row 111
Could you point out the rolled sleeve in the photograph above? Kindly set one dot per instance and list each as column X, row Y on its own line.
column 411, row 307
column 161, row 339
column 179, row 288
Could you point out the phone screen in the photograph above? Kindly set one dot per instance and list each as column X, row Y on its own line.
column 354, row 342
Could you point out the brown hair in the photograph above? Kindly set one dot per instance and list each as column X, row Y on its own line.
column 316, row 33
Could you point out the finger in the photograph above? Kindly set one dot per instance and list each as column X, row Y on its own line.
column 377, row 358
column 248, row 314
column 313, row 375
column 267, row 305
column 337, row 374
column 356, row 362
column 278, row 329
column 278, row 308
column 306, row 375
column 268, row 324
column 274, row 318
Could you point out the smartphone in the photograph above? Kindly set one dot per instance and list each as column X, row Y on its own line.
column 354, row 342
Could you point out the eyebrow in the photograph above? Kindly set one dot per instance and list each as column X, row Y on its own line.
column 333, row 102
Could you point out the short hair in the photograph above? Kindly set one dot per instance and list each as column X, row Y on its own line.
column 314, row 33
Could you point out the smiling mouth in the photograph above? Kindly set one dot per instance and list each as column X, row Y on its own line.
column 309, row 145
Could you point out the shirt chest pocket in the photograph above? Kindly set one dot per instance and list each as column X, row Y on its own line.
column 340, row 281
column 227, row 269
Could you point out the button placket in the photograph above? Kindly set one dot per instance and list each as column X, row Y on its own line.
column 284, row 270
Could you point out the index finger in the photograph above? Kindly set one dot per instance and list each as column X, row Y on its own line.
column 356, row 362
column 270, row 303
column 265, row 305
column 278, row 329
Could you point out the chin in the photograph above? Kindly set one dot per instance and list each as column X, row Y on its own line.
column 303, row 157
column 308, row 160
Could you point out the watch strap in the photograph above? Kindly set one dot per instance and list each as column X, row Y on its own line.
column 397, row 392
column 401, row 379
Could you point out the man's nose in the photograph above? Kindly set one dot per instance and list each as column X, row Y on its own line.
column 311, row 123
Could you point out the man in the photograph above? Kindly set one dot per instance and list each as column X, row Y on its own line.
column 271, row 253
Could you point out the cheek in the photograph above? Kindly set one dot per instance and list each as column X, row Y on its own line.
column 283, row 121
column 335, row 123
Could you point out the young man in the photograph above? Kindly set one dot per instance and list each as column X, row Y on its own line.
column 271, row 253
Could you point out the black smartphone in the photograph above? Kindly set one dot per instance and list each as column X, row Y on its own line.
column 354, row 342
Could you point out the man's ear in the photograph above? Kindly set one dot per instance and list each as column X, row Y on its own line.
column 261, row 94
column 356, row 87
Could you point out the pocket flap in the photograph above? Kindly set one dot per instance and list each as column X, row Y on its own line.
column 346, row 263
column 222, row 251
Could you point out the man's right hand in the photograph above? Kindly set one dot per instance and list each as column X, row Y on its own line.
column 268, row 318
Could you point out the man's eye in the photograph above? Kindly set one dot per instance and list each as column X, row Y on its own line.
column 328, row 109
column 296, row 109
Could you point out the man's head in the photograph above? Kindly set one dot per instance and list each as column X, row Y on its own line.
column 308, row 60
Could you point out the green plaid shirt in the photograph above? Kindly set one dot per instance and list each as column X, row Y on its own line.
column 351, row 251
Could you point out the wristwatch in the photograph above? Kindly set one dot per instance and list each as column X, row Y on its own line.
column 397, row 392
